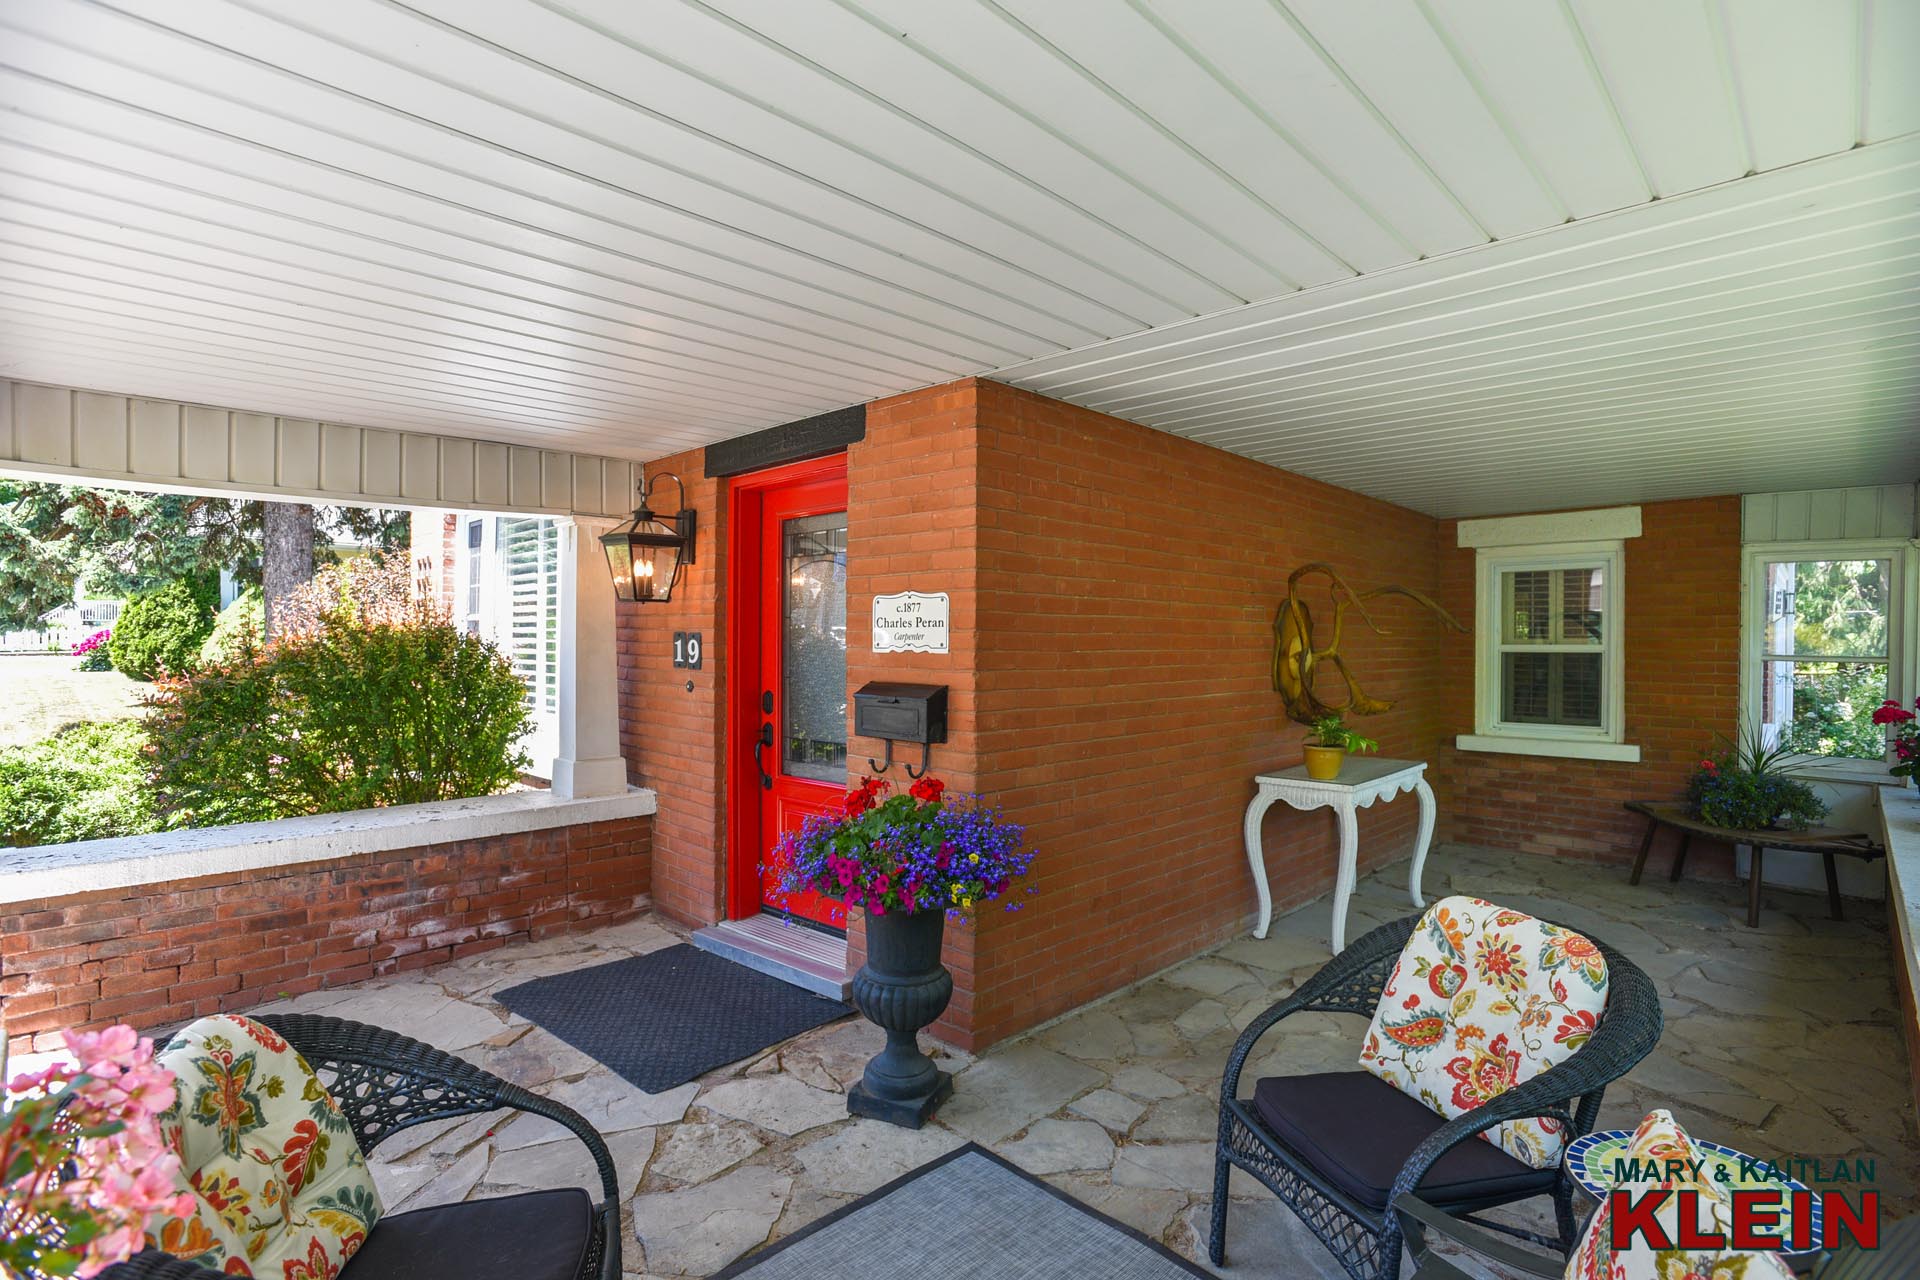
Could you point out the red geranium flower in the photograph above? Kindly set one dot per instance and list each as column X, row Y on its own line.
column 928, row 790
column 862, row 797
column 1891, row 712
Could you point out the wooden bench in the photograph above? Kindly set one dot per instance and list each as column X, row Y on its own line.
column 1825, row 841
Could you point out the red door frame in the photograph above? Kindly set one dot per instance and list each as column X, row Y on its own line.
column 745, row 635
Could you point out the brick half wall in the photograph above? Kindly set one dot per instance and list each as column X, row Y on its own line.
column 158, row 955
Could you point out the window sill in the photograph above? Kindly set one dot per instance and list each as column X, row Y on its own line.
column 1866, row 773
column 1563, row 748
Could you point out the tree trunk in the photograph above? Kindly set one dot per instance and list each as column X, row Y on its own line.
column 286, row 534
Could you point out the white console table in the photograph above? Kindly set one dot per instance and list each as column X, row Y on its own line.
column 1362, row 780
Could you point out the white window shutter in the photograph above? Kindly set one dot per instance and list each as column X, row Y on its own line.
column 530, row 564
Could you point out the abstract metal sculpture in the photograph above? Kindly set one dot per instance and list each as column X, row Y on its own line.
column 1295, row 657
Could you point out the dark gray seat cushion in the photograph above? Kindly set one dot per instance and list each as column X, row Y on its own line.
column 542, row 1235
column 1358, row 1131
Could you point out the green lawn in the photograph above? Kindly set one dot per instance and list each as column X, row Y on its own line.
column 41, row 692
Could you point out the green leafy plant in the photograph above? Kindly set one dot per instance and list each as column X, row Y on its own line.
column 86, row 782
column 1744, row 786
column 1833, row 706
column 239, row 629
column 160, row 631
column 362, row 707
column 1331, row 731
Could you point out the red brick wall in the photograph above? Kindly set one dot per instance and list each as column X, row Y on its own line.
column 912, row 491
column 158, row 955
column 1112, row 591
column 432, row 539
column 1682, row 684
column 1127, row 584
column 672, row 735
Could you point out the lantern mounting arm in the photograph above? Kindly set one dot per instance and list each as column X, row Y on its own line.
column 684, row 516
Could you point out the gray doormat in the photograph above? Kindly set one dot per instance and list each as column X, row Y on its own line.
column 659, row 1020
column 968, row 1214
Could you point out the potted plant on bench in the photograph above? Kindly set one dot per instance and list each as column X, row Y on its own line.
column 1328, row 744
column 1745, row 786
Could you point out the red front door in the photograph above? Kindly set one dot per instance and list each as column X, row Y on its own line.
column 791, row 524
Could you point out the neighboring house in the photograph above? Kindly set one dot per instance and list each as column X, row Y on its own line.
column 64, row 627
column 499, row 577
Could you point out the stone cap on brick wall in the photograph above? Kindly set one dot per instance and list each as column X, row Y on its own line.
column 56, row 870
column 1900, row 816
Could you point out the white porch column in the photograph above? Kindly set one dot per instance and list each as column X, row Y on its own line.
column 588, row 760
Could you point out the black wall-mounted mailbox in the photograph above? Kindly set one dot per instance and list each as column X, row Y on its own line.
column 901, row 712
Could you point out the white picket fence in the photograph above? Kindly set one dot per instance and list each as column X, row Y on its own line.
column 92, row 615
column 51, row 640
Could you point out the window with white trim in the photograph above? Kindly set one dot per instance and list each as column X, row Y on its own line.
column 472, row 578
column 1550, row 665
column 1827, row 640
column 529, row 628
column 507, row 572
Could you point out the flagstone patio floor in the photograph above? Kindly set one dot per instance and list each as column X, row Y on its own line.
column 1780, row 1040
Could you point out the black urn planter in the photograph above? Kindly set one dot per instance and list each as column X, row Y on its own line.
column 902, row 987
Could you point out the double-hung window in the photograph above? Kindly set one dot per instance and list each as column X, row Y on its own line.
column 1549, row 659
column 1553, row 643
column 1827, row 639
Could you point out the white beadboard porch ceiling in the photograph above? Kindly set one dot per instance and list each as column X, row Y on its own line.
column 1473, row 256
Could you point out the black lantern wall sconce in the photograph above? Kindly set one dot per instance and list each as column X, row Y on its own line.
column 647, row 554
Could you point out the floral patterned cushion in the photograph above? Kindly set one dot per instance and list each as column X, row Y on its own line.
column 1660, row 1139
column 1484, row 998
column 280, row 1185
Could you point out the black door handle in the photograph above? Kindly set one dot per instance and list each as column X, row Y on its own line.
column 764, row 740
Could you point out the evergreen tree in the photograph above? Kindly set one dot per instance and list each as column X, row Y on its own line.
column 55, row 536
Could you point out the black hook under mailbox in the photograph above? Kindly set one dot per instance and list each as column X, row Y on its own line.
column 901, row 713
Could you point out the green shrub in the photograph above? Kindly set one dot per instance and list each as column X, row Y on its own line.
column 350, row 714
column 86, row 782
column 160, row 631
column 240, row 629
column 1833, row 706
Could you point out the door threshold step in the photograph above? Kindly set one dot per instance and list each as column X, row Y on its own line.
column 792, row 953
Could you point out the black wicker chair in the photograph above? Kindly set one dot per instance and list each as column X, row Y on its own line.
column 386, row 1082
column 1396, row 1141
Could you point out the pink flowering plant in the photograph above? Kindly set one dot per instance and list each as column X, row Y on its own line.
column 92, row 651
column 1903, row 736
column 915, row 850
column 83, row 1164
column 97, row 640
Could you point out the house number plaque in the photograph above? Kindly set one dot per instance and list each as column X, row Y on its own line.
column 687, row 650
column 910, row 622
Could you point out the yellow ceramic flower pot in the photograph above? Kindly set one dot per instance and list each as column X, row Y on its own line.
column 1323, row 763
